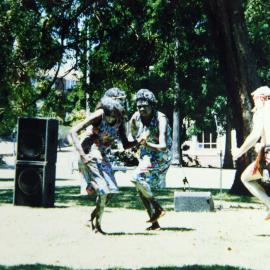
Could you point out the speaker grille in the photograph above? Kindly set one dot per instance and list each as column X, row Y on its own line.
column 32, row 145
column 29, row 181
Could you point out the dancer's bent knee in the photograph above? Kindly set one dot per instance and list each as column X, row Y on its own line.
column 249, row 174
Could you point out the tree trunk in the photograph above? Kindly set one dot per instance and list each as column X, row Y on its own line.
column 176, row 155
column 85, row 61
column 176, row 146
column 229, row 31
column 228, row 161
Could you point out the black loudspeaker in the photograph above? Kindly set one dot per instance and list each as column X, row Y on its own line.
column 35, row 165
column 34, row 184
column 37, row 139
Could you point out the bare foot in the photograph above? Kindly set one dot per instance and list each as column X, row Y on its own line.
column 154, row 227
column 156, row 216
column 98, row 229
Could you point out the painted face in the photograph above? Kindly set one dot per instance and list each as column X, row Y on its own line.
column 144, row 108
column 111, row 118
column 258, row 101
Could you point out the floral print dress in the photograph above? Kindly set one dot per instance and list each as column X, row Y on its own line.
column 153, row 164
column 98, row 172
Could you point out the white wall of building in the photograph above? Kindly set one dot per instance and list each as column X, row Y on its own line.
column 208, row 157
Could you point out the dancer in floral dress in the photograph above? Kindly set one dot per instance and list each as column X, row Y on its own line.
column 154, row 152
column 104, row 126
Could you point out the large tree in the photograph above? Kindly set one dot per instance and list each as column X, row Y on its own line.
column 239, row 69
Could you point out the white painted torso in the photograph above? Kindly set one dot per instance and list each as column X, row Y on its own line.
column 262, row 117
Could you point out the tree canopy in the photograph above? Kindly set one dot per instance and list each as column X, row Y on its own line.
column 180, row 50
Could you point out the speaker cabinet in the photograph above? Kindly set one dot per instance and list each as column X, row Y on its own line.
column 34, row 184
column 35, row 165
column 37, row 139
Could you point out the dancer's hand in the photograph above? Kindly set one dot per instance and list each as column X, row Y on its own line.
column 236, row 153
column 85, row 158
column 141, row 141
column 265, row 176
column 258, row 147
column 143, row 137
column 94, row 154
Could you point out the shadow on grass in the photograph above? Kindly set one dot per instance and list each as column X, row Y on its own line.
column 263, row 235
column 125, row 234
column 7, row 167
column 177, row 229
column 6, row 179
column 6, row 196
column 127, row 198
column 187, row 267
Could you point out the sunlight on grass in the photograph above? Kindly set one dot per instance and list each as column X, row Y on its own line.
column 6, row 196
column 127, row 198
column 235, row 198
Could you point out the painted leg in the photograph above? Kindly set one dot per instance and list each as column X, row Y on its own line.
column 109, row 197
column 147, row 204
column 146, row 196
column 101, row 201
column 249, row 180
column 94, row 212
column 258, row 191
column 159, row 211
column 149, row 208
column 92, row 218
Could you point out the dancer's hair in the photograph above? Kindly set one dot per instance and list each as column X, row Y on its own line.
column 110, row 105
column 115, row 93
column 260, row 160
column 145, row 94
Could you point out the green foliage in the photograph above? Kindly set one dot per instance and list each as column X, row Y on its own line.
column 127, row 44
column 125, row 39
column 257, row 13
column 35, row 35
column 134, row 47
column 75, row 116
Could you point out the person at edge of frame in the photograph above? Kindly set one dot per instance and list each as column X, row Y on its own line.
column 260, row 130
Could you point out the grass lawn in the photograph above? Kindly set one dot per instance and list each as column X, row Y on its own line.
column 127, row 198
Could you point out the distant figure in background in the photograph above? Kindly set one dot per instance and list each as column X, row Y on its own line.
column 260, row 130
column 154, row 152
column 105, row 125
